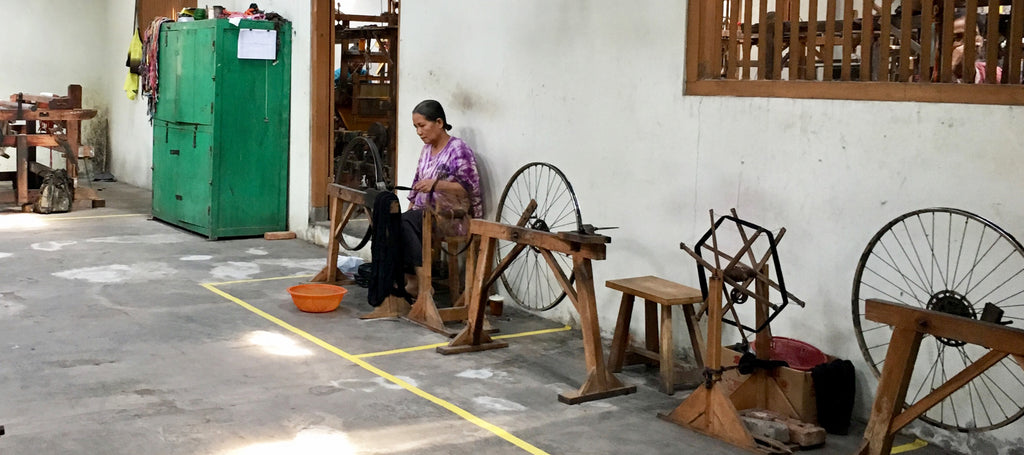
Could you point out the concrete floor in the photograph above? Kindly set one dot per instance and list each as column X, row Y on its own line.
column 124, row 335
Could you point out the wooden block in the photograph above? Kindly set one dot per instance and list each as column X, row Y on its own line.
column 805, row 434
column 281, row 235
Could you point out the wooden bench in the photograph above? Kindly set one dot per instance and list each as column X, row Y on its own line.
column 658, row 349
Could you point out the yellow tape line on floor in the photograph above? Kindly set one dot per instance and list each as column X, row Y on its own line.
column 917, row 444
column 92, row 217
column 405, row 385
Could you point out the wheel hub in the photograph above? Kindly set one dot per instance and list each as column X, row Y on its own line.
column 951, row 302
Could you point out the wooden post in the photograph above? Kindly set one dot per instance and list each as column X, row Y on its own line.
column 22, row 169
column 892, row 390
column 708, row 409
column 473, row 337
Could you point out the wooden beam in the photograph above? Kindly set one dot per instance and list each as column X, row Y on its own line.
column 540, row 239
column 867, row 91
column 987, row 334
column 961, row 379
column 33, row 140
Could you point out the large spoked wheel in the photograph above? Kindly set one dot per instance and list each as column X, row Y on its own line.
column 955, row 262
column 359, row 166
column 528, row 279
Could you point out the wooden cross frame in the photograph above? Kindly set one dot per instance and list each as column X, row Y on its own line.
column 710, row 409
column 582, row 248
column 910, row 324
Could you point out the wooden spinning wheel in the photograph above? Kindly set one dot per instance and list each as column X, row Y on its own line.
column 955, row 263
column 526, row 279
column 710, row 409
column 530, row 235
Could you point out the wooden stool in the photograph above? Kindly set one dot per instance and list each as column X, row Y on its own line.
column 654, row 290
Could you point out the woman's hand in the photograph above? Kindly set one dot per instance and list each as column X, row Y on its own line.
column 423, row 186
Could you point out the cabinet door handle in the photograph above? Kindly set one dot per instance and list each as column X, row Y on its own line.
column 175, row 152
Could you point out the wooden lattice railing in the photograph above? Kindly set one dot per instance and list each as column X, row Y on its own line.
column 905, row 50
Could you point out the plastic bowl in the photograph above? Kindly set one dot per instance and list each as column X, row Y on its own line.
column 799, row 355
column 317, row 298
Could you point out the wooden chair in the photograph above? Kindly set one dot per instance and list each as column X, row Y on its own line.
column 658, row 347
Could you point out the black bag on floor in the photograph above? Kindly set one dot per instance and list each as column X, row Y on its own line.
column 834, row 389
column 56, row 193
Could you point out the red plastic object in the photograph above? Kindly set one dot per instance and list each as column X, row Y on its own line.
column 799, row 355
column 317, row 298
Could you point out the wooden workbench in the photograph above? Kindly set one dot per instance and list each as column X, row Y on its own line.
column 50, row 121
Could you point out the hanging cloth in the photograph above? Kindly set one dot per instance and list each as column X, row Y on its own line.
column 131, row 82
column 386, row 277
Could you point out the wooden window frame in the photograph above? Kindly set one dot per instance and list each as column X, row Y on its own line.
column 704, row 69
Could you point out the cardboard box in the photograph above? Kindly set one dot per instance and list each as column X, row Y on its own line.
column 796, row 385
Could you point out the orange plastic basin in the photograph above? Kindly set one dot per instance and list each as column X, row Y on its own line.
column 317, row 298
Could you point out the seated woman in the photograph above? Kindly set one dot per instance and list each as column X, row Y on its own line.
column 446, row 165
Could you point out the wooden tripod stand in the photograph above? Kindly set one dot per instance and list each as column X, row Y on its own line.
column 710, row 409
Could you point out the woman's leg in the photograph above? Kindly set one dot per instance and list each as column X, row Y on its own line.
column 412, row 243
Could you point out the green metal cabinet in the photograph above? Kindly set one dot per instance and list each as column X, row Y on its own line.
column 220, row 131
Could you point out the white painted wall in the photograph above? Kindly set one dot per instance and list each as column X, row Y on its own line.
column 595, row 88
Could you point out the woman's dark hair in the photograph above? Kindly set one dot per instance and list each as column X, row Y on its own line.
column 432, row 110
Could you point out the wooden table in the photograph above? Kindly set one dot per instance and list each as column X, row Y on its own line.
column 65, row 113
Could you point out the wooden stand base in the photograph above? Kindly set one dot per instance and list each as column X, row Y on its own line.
column 710, row 412
column 592, row 390
column 393, row 307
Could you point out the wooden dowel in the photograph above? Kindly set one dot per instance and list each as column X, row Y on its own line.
column 811, row 69
column 884, row 41
column 747, row 41
column 992, row 43
column 970, row 52
column 762, row 52
column 946, row 50
column 906, row 38
column 847, row 39
column 777, row 44
column 1016, row 34
column 733, row 54
column 827, row 51
column 924, row 72
column 715, row 64
column 867, row 36
column 794, row 40
column 694, row 36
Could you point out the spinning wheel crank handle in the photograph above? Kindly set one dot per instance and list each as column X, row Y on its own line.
column 730, row 282
column 590, row 229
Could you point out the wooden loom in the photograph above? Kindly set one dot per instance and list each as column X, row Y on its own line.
column 710, row 409
column 582, row 248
